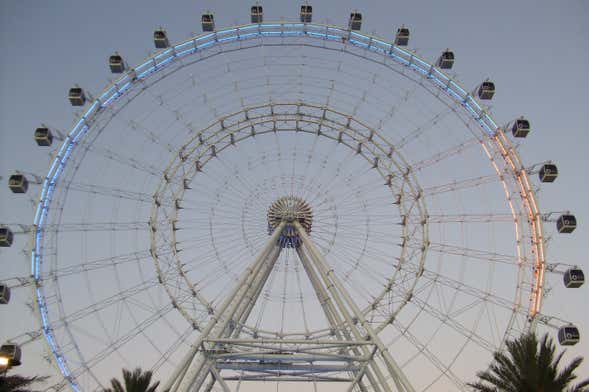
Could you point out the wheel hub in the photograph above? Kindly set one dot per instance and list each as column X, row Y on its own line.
column 289, row 209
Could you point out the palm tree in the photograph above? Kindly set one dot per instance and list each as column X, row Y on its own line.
column 136, row 381
column 18, row 383
column 526, row 366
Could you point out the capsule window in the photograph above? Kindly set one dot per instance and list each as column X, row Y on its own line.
column 12, row 352
column 568, row 335
column 76, row 96
column 18, row 183
column 306, row 13
column 573, row 278
column 486, row 90
column 208, row 22
column 446, row 60
column 355, row 22
column 402, row 37
column 257, row 14
column 521, row 127
column 6, row 237
column 160, row 39
column 43, row 136
column 566, row 223
column 548, row 172
column 116, row 63
column 4, row 294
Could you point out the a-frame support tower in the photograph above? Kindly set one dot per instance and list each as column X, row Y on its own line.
column 353, row 354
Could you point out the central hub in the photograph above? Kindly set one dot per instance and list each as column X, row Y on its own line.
column 289, row 209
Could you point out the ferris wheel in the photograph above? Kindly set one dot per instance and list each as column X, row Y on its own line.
column 294, row 204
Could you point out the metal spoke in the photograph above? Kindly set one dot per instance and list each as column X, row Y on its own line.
column 283, row 202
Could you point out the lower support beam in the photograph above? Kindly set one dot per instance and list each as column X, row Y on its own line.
column 337, row 289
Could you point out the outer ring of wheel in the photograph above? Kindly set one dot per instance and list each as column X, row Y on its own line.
column 437, row 78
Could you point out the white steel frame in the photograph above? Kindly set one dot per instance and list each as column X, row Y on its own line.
column 358, row 350
column 499, row 149
column 234, row 128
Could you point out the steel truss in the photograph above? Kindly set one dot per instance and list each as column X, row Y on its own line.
column 355, row 354
column 358, row 354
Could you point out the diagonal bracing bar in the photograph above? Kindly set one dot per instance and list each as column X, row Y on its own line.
column 195, row 367
column 335, row 320
column 354, row 355
column 352, row 313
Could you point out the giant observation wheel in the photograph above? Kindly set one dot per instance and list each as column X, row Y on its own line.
column 341, row 149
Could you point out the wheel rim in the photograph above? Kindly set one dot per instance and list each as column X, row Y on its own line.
column 487, row 135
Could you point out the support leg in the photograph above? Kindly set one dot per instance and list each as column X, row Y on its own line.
column 333, row 318
column 220, row 319
column 337, row 289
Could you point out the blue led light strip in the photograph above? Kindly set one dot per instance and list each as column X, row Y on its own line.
column 196, row 44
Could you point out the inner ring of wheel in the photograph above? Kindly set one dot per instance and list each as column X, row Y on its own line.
column 233, row 128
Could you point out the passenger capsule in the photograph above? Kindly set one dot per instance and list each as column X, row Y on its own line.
column 446, row 60
column 116, row 63
column 43, row 136
column 355, row 22
column 208, row 22
column 566, row 223
column 160, row 39
column 257, row 14
column 402, row 36
column 6, row 237
column 4, row 294
column 18, row 183
column 573, row 278
column 12, row 352
column 548, row 172
column 521, row 127
column 306, row 13
column 486, row 90
column 76, row 96
column 568, row 335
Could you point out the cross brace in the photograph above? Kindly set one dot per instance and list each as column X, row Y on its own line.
column 355, row 355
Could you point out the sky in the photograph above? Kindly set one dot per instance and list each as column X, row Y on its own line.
column 535, row 51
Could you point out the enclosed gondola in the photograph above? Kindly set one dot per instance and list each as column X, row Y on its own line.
column 521, row 127
column 43, row 136
column 116, row 63
column 486, row 90
column 548, row 172
column 4, row 294
column 76, row 96
column 6, row 237
column 355, row 22
column 402, row 36
column 573, row 278
column 446, row 60
column 18, row 183
column 160, row 39
column 566, row 223
column 208, row 22
column 257, row 14
column 568, row 335
column 306, row 13
column 11, row 352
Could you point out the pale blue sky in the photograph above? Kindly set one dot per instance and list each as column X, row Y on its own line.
column 535, row 51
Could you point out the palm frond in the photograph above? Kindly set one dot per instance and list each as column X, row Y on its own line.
column 134, row 381
column 529, row 365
